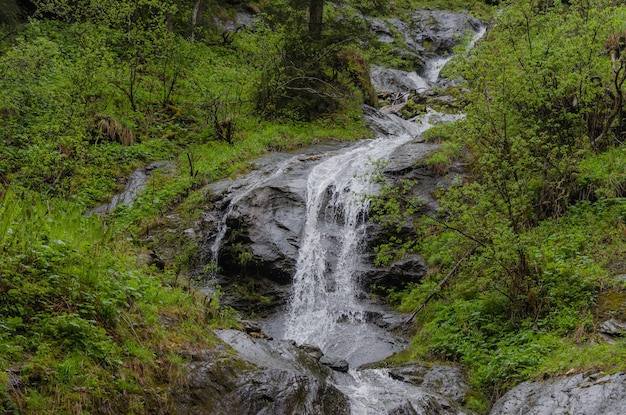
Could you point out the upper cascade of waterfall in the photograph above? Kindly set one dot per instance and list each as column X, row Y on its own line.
column 402, row 83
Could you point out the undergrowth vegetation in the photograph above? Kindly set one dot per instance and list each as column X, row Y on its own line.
column 82, row 322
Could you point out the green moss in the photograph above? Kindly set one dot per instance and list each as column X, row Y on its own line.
column 611, row 304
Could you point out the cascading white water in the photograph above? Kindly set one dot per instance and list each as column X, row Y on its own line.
column 325, row 309
column 385, row 79
column 434, row 66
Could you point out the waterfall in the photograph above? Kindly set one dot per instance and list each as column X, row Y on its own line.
column 326, row 308
column 324, row 301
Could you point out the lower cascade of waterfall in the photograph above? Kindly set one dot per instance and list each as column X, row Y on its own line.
column 326, row 308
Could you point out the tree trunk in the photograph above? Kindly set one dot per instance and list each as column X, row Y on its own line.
column 196, row 16
column 316, row 10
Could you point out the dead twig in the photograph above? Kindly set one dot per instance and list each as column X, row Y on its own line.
column 441, row 284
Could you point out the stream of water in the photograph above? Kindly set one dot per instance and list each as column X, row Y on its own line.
column 325, row 309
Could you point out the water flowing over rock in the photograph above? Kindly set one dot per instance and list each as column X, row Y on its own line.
column 567, row 395
column 254, row 234
column 429, row 38
column 402, row 82
column 374, row 391
column 437, row 32
column 324, row 307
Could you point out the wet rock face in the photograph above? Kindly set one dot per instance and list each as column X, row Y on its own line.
column 567, row 395
column 265, row 229
column 438, row 32
column 404, row 165
column 427, row 34
column 266, row 378
column 409, row 269
column 259, row 252
column 217, row 387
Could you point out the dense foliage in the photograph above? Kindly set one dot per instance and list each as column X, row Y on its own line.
column 82, row 328
column 539, row 214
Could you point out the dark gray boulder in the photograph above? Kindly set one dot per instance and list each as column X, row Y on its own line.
column 582, row 394
column 613, row 327
column 263, row 378
column 312, row 350
column 409, row 269
column 396, row 85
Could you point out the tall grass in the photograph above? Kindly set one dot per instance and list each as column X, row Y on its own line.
column 81, row 324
